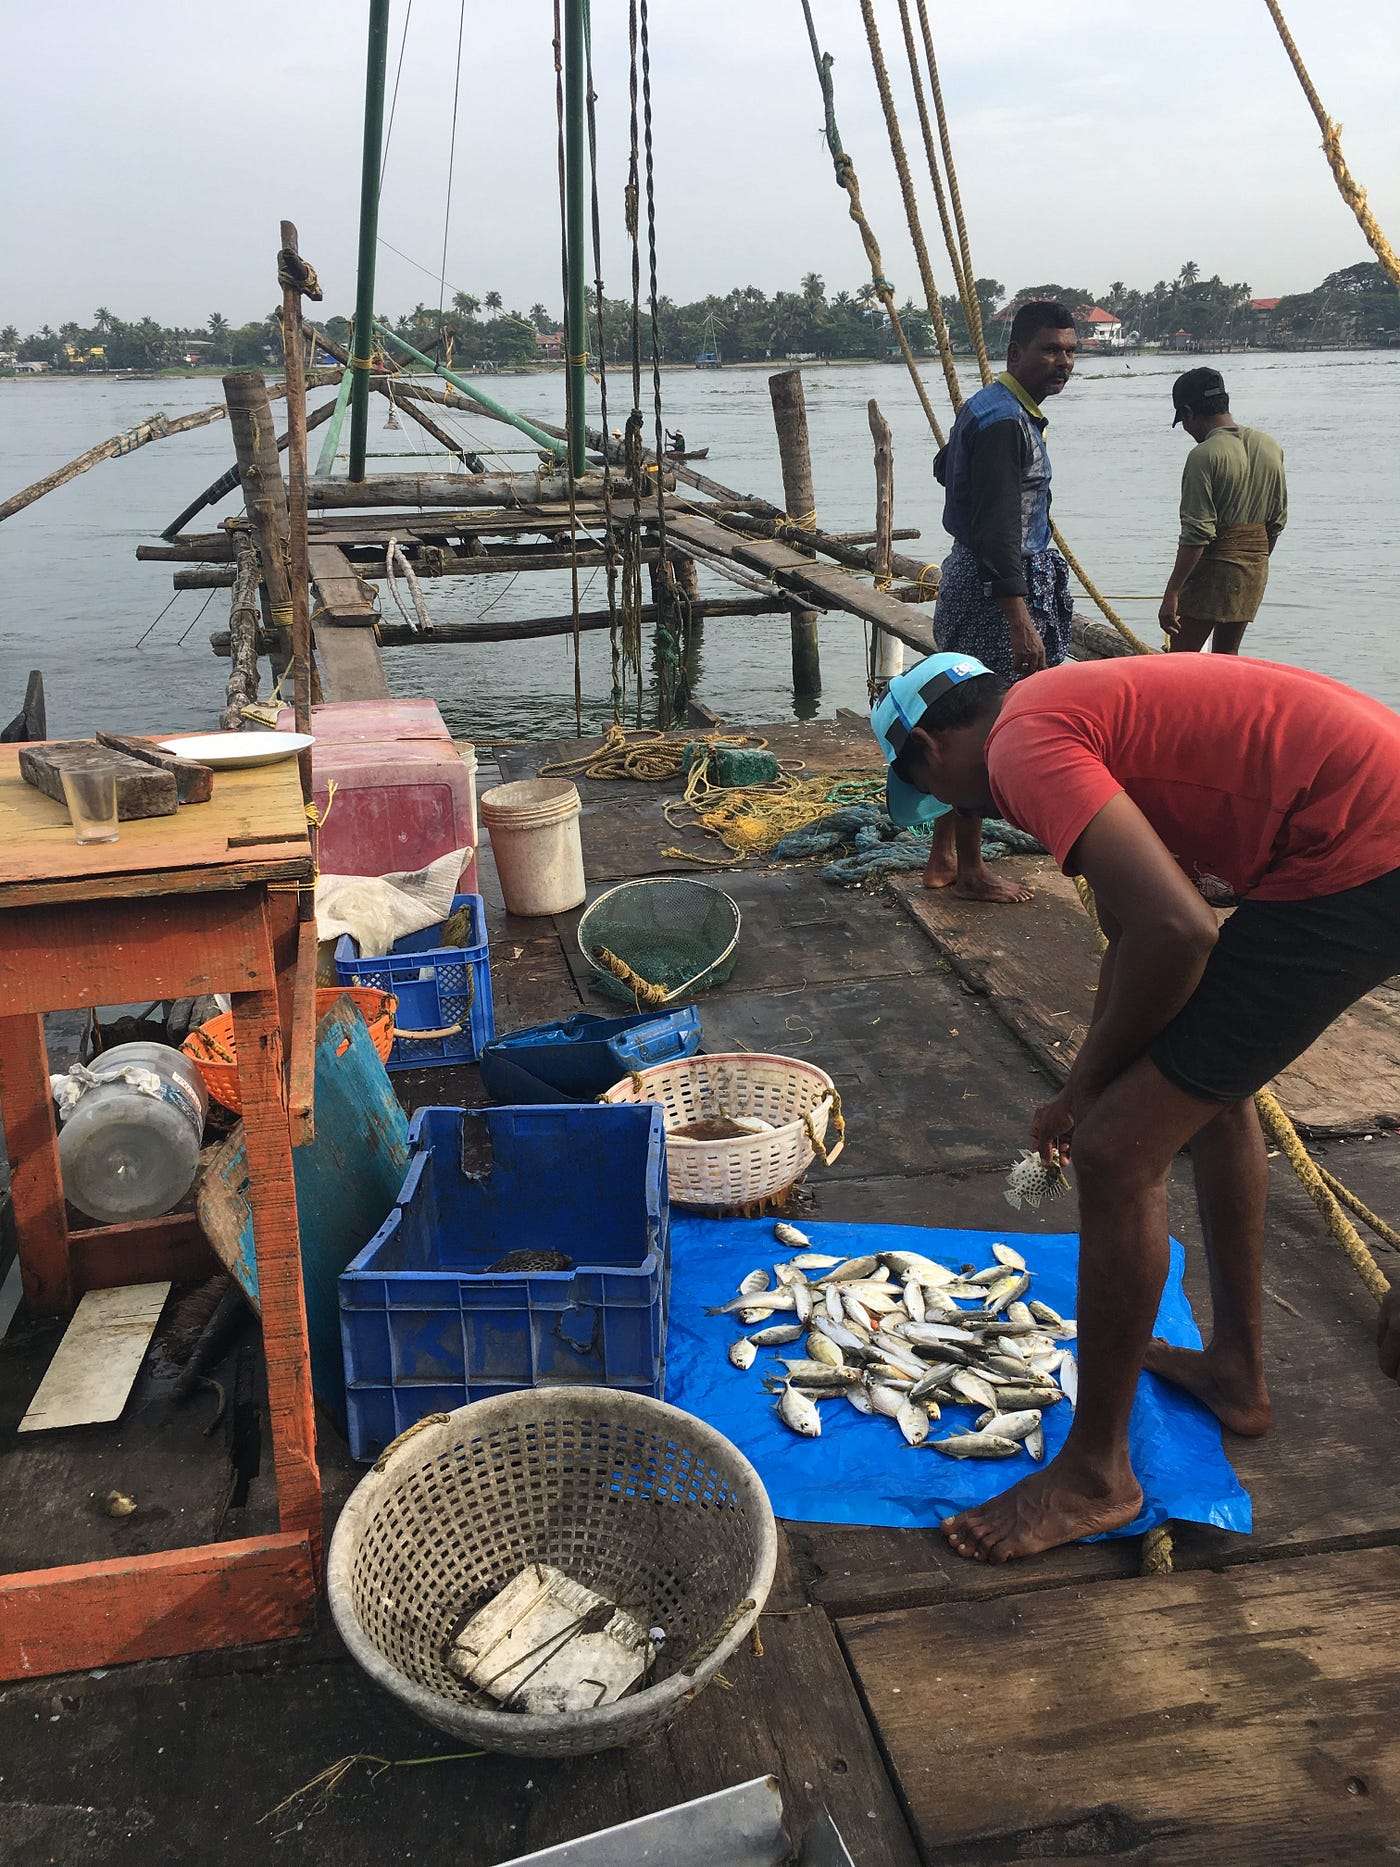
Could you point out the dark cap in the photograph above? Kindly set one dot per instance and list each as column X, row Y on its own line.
column 1196, row 389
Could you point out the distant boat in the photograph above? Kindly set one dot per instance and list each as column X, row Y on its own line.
column 709, row 360
column 691, row 453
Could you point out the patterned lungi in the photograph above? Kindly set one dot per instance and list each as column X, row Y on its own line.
column 966, row 621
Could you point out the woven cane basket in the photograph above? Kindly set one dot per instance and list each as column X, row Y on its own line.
column 627, row 1495
column 747, row 1170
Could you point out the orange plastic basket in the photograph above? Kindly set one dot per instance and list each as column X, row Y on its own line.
column 210, row 1046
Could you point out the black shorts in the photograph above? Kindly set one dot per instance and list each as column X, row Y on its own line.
column 1279, row 974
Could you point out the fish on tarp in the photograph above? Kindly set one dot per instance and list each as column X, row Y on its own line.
column 974, row 1446
column 799, row 1414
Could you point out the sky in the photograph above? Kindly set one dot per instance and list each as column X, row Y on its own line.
column 149, row 150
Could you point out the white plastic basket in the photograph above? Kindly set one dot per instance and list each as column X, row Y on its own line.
column 645, row 1503
column 747, row 1170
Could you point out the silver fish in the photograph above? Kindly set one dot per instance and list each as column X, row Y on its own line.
column 902, row 1357
column 741, row 1353
column 1015, row 1398
column 833, row 1304
column 972, row 1387
column 770, row 1300
column 871, row 1297
column 789, row 1235
column 803, row 1301
column 993, row 1274
column 851, row 1271
column 891, row 1374
column 1069, row 1379
column 886, row 1399
column 932, row 1383
column 1005, row 1255
column 914, row 1307
column 1008, row 1345
column 1068, row 1329
column 974, row 1446
column 913, row 1422
column 756, row 1280
column 933, row 1334
column 752, row 1314
column 1011, row 1425
column 822, row 1348
column 1043, row 1313
column 906, row 1264
column 778, row 1336
column 838, row 1333
column 814, row 1261
column 1019, row 1313
column 1034, row 1442
column 857, row 1312
column 820, row 1373
column 860, row 1400
column 788, row 1274
column 938, row 1306
column 796, row 1411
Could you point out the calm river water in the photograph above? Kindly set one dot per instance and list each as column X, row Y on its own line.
column 74, row 601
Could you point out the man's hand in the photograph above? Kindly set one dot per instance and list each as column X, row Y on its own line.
column 1052, row 1125
column 1169, row 615
column 1388, row 1333
column 1027, row 650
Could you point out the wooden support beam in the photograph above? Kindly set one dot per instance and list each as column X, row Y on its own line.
column 790, row 419
column 449, row 489
column 260, row 473
column 888, row 650
column 445, row 564
column 242, row 688
column 351, row 668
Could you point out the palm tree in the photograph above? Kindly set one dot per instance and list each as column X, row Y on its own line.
column 218, row 328
column 103, row 320
column 465, row 304
column 1189, row 274
column 494, row 302
column 1117, row 292
column 814, row 288
column 9, row 337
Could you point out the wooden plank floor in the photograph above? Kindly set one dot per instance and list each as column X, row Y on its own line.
column 1038, row 964
column 1247, row 1716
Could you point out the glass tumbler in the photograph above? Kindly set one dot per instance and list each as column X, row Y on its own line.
column 91, row 795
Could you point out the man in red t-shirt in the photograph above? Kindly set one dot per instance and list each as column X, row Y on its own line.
column 1174, row 785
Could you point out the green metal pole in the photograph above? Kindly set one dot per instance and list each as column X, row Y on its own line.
column 575, row 311
column 363, row 342
column 330, row 446
column 479, row 396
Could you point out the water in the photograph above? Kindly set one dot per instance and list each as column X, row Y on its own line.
column 74, row 601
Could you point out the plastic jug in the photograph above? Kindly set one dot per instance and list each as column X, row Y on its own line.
column 132, row 1123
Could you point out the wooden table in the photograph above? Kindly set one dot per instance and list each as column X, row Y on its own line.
column 207, row 900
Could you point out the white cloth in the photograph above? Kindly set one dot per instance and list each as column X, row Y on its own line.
column 69, row 1089
column 377, row 910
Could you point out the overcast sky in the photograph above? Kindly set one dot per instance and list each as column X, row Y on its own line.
column 148, row 149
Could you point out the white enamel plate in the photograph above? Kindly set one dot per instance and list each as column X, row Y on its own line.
column 235, row 751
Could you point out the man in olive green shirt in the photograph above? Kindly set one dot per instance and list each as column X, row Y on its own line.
column 1234, row 504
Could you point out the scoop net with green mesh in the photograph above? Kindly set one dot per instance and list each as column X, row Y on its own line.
column 672, row 932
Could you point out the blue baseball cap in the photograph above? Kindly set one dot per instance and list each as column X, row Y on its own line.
column 895, row 715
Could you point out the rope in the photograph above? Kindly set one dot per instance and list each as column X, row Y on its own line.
column 451, row 159
column 911, row 206
column 846, row 179
column 972, row 308
column 610, row 554
column 1157, row 1552
column 571, row 339
column 642, row 989
column 1090, row 590
column 1350, row 189
column 394, row 557
column 1284, row 1136
column 712, row 1642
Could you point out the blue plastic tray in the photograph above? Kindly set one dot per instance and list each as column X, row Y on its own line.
column 580, row 1058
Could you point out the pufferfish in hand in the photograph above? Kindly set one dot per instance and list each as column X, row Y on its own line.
column 1031, row 1181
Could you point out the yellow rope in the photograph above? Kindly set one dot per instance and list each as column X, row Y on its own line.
column 1347, row 1198
column 1139, row 646
column 642, row 990
column 1157, row 1552
column 911, row 206
column 971, row 304
column 1351, row 190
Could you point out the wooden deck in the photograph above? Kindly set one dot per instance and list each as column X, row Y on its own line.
column 1242, row 1709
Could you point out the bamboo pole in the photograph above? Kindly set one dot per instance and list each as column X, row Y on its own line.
column 790, row 419
column 250, row 417
column 296, row 277
column 229, row 479
column 575, row 167
column 242, row 637
column 330, row 447
column 155, row 427
column 889, row 650
column 371, row 162
column 449, row 489
column 326, row 463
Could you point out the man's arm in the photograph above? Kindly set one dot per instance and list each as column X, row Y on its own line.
column 1187, row 558
column 1164, row 936
column 995, row 468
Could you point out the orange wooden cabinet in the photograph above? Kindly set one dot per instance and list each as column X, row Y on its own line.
column 213, row 899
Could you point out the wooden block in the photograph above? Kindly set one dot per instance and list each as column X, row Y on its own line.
column 151, row 1607
column 193, row 782
column 98, row 1359
column 1236, row 1717
column 142, row 791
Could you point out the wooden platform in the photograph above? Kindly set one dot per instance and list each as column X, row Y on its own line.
column 1038, row 966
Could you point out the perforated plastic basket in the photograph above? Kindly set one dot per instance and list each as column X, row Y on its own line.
column 445, row 1013
column 751, row 1169
column 636, row 1499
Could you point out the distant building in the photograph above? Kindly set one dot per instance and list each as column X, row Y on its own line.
column 32, row 369
column 1261, row 319
column 1100, row 328
column 549, row 344
column 1179, row 340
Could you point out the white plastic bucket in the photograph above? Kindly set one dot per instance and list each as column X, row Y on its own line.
column 533, row 826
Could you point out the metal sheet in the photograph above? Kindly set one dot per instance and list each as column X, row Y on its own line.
column 742, row 1827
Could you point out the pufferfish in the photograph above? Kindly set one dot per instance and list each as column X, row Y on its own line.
column 1031, row 1181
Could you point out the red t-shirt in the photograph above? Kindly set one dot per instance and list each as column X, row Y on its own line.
column 1262, row 780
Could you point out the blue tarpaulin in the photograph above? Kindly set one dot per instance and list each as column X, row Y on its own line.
column 861, row 1470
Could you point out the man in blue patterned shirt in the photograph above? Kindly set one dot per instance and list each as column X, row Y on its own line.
column 1004, row 594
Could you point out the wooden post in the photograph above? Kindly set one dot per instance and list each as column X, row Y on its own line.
column 296, row 277
column 889, row 650
column 260, row 474
column 800, row 502
column 243, row 638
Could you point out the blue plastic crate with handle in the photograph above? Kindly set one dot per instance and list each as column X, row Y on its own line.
column 445, row 1013
column 576, row 1059
column 427, row 1325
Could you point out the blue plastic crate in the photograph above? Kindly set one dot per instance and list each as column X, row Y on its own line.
column 442, row 989
column 578, row 1058
column 426, row 1328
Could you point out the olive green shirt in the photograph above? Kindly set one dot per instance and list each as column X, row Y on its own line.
column 1233, row 477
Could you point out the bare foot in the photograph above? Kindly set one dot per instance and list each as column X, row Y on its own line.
column 1062, row 1504
column 940, row 874
column 982, row 885
column 1238, row 1400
